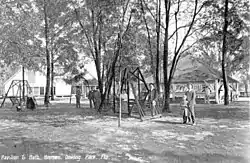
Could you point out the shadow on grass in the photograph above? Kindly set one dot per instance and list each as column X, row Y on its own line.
column 187, row 157
column 203, row 157
column 168, row 122
column 27, row 147
column 234, row 111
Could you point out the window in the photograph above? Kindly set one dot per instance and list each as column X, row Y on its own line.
column 41, row 90
column 36, row 91
column 73, row 90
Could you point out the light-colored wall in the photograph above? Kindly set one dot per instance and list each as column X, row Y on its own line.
column 37, row 79
column 61, row 87
column 13, row 91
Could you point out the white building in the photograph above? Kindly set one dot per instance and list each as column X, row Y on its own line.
column 37, row 82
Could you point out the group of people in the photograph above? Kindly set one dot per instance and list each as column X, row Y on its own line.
column 94, row 97
column 187, row 103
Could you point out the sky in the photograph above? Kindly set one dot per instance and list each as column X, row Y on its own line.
column 90, row 67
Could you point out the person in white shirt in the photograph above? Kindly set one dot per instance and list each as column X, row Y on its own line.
column 191, row 96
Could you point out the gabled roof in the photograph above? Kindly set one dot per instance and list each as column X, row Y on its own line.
column 190, row 70
column 10, row 78
column 88, row 75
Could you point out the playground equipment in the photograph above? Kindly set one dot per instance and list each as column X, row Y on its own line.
column 139, row 105
column 18, row 98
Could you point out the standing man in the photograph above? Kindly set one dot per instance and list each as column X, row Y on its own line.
column 153, row 97
column 207, row 92
column 91, row 97
column 78, row 96
column 124, row 98
column 191, row 101
column 97, row 98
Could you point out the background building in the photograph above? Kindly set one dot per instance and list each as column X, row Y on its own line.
column 37, row 83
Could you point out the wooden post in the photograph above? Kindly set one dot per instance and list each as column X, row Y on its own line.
column 139, row 95
column 128, row 104
column 236, row 91
column 70, row 94
column 114, row 94
column 23, row 90
column 20, row 94
column 216, row 89
column 120, row 109
column 140, row 111
column 143, row 80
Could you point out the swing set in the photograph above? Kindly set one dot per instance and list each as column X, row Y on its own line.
column 18, row 99
column 139, row 104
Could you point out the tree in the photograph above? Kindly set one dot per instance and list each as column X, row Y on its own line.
column 165, row 58
column 60, row 27
column 153, row 28
column 65, row 58
column 209, row 47
column 57, row 18
column 46, row 31
column 158, row 31
column 104, row 25
column 179, row 41
column 224, row 51
column 18, row 43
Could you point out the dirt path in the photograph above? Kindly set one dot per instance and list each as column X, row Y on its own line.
column 63, row 132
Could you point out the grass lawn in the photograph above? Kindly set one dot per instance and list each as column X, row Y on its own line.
column 63, row 132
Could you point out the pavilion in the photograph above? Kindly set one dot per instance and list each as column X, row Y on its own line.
column 200, row 75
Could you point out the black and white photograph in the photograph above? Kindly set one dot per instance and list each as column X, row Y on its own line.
column 130, row 81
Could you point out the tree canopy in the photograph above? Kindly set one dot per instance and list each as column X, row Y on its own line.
column 61, row 36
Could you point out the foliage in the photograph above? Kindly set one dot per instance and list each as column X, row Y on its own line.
column 116, row 34
column 209, row 47
column 18, row 28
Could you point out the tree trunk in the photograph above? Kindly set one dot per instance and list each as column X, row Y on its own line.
column 153, row 68
column 46, row 98
column 158, row 46
column 216, row 90
column 52, row 77
column 224, row 51
column 110, row 78
column 246, row 88
column 166, row 107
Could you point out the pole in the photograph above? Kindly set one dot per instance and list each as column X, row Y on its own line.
column 139, row 85
column 127, row 83
column 114, row 94
column 120, row 109
column 23, row 85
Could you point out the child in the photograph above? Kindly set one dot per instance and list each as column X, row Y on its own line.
column 78, row 96
column 184, row 107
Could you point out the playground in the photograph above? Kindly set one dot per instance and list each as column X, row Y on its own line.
column 124, row 81
column 128, row 132
column 63, row 132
